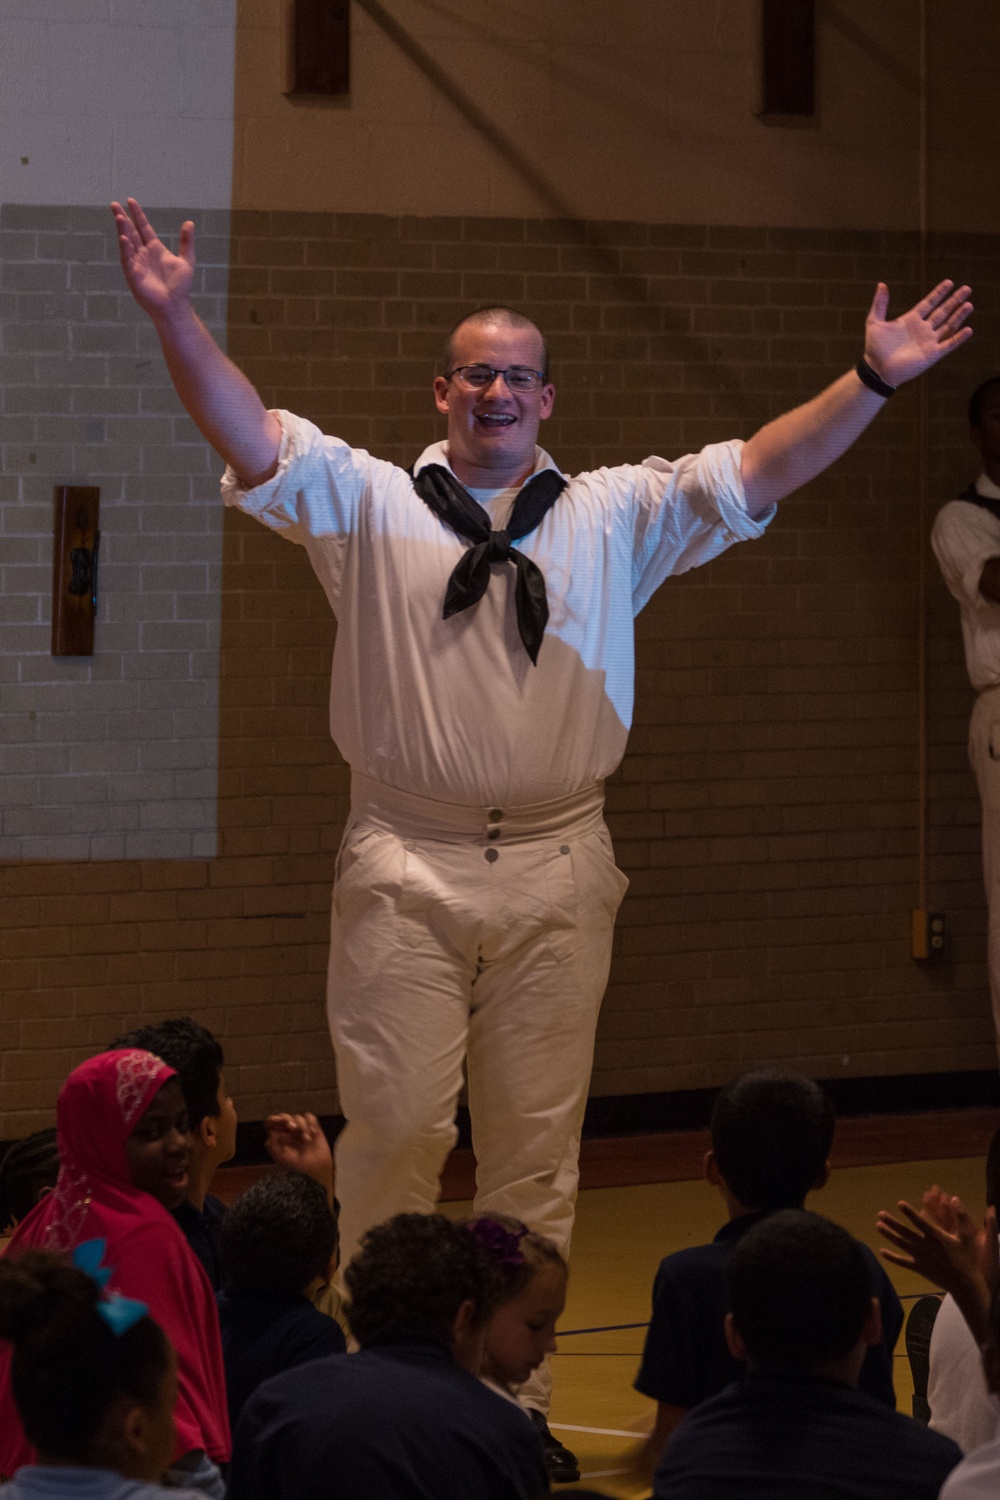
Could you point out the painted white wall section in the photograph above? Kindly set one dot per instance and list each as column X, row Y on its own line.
column 99, row 98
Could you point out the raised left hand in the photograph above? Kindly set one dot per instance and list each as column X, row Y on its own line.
column 901, row 348
column 297, row 1143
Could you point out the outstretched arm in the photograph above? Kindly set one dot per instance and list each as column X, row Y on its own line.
column 217, row 395
column 796, row 447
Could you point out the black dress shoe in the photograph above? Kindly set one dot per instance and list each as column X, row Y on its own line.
column 562, row 1465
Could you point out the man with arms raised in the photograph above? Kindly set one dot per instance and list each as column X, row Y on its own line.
column 481, row 694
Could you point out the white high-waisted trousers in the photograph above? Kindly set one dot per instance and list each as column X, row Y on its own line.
column 475, row 935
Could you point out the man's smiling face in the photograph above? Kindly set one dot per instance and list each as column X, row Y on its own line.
column 492, row 432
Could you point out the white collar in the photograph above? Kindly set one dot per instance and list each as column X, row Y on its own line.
column 984, row 486
column 437, row 453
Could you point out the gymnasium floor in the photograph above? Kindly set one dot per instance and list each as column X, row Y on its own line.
column 643, row 1197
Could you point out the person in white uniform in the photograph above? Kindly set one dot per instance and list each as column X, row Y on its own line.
column 966, row 541
column 481, row 695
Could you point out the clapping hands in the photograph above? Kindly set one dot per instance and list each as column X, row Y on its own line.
column 942, row 1242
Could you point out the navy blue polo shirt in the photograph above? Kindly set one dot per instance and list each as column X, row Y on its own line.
column 686, row 1359
column 201, row 1230
column 263, row 1335
column 397, row 1421
column 800, row 1437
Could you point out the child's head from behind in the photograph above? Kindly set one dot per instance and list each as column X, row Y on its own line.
column 86, row 1396
column 771, row 1137
column 28, row 1171
column 533, row 1276
column 801, row 1299
column 419, row 1276
column 197, row 1059
column 278, row 1236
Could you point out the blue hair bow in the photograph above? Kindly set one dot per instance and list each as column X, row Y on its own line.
column 119, row 1313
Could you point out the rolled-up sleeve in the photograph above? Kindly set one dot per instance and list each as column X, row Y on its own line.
column 316, row 490
column 688, row 512
column 964, row 538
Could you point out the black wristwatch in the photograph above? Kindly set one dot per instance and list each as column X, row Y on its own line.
column 873, row 380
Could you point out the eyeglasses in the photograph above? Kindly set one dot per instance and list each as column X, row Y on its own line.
column 479, row 377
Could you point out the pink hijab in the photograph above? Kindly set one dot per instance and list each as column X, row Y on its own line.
column 95, row 1198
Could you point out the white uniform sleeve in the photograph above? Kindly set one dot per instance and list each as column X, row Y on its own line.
column 964, row 537
column 686, row 513
column 318, row 487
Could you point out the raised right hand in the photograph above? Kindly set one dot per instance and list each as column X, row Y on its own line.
column 158, row 280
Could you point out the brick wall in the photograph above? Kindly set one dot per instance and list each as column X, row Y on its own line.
column 766, row 809
column 112, row 756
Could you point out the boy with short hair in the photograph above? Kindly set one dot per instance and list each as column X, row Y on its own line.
column 802, row 1321
column 771, row 1136
column 278, row 1240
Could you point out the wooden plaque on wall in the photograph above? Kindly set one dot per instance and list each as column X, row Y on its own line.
column 76, row 540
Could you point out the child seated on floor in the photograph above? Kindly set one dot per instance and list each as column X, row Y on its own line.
column 771, row 1134
column 407, row 1416
column 796, row 1426
column 27, row 1172
column 196, row 1058
column 963, row 1405
column 279, row 1239
column 522, row 1330
column 293, row 1141
column 94, row 1384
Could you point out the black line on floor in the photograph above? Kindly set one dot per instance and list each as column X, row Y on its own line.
column 568, row 1333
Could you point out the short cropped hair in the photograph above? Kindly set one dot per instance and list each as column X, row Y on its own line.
column 771, row 1136
column 411, row 1276
column 799, row 1290
column 193, row 1053
column 978, row 399
column 67, row 1367
column 278, row 1236
column 29, row 1167
column 506, row 317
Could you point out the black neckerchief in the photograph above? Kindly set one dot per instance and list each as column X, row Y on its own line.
column 984, row 501
column 452, row 503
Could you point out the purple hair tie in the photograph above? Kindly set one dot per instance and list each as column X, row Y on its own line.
column 504, row 1245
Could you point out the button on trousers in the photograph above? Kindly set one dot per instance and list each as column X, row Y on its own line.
column 455, row 944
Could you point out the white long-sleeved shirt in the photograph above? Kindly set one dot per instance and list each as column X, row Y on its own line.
column 962, row 1405
column 453, row 709
column 964, row 537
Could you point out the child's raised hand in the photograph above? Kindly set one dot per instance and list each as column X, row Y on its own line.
column 298, row 1143
column 950, row 1257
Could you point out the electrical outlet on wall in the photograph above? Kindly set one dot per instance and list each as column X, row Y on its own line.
column 930, row 936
